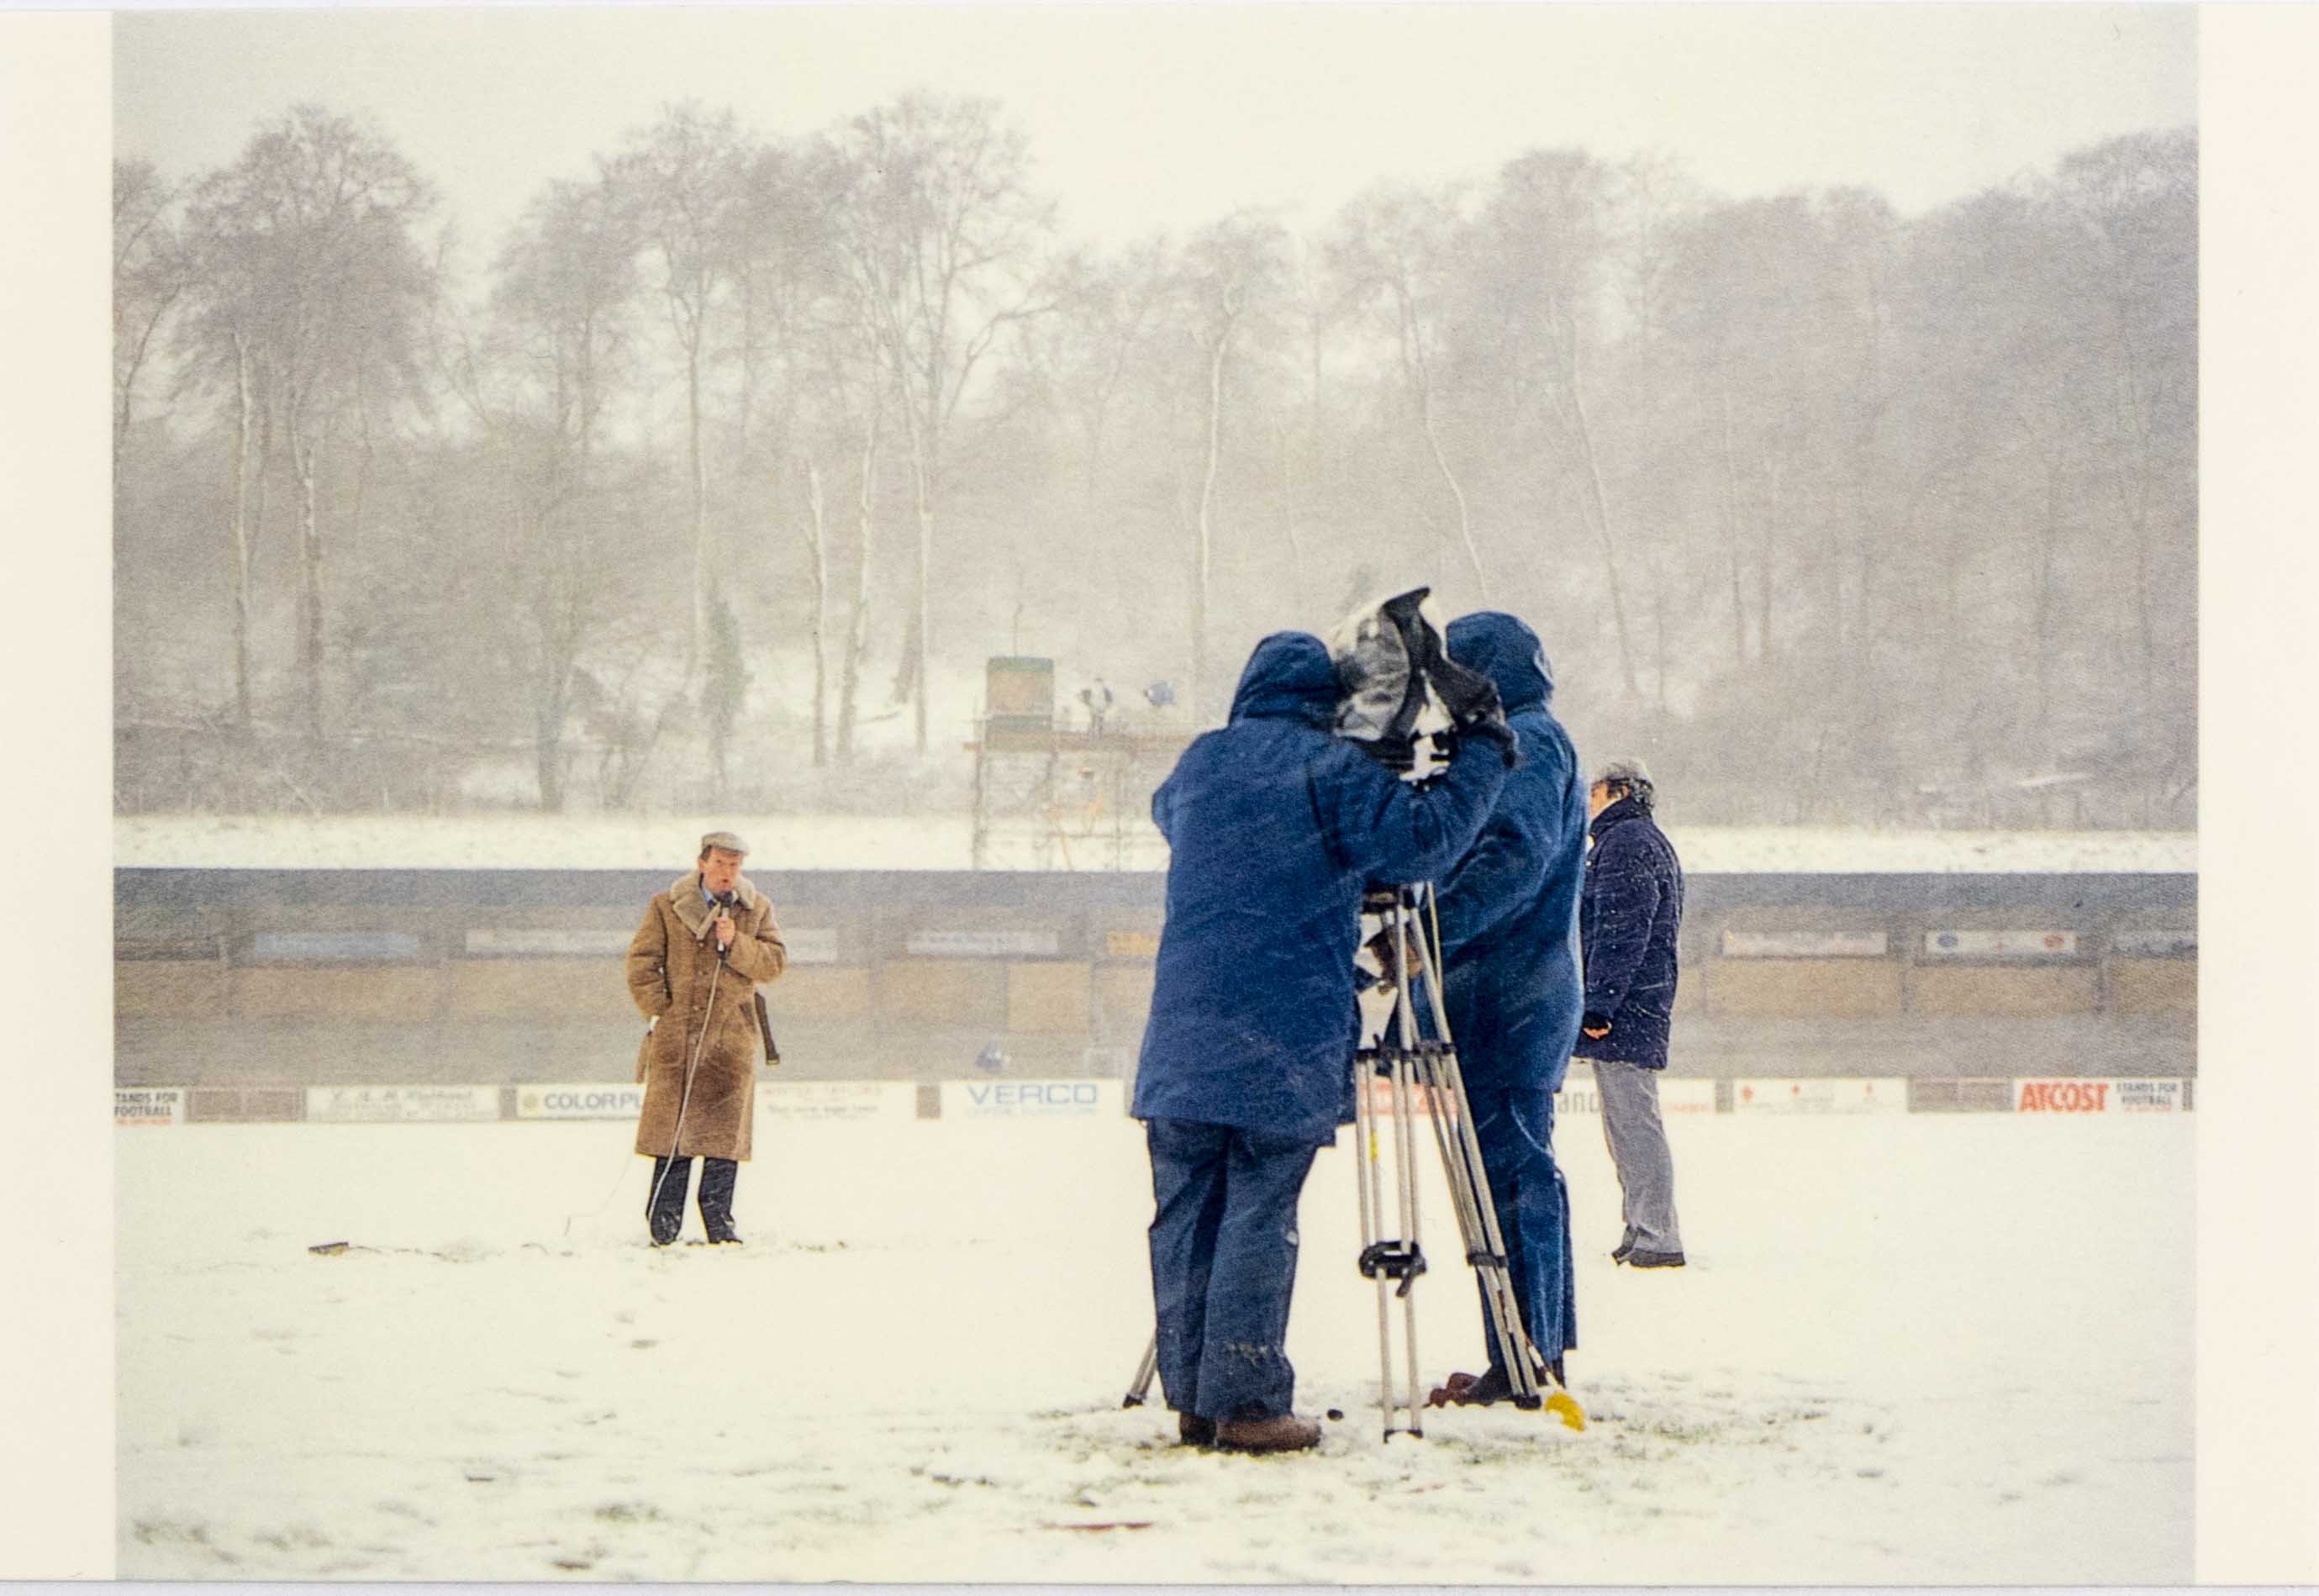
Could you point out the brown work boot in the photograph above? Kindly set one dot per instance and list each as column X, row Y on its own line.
column 1196, row 1431
column 1285, row 1433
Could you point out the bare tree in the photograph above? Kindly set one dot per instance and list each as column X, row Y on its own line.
column 943, row 235
column 227, row 334
column 1233, row 277
column 846, row 384
column 1863, row 237
column 1652, row 200
column 310, row 291
column 1746, row 305
column 857, row 612
column 1398, row 243
column 816, row 525
column 355, row 289
column 149, row 279
column 793, row 296
column 2131, row 205
column 1542, row 235
column 1099, row 339
column 725, row 685
column 684, row 175
column 558, row 347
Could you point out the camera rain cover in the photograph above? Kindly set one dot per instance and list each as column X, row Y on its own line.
column 1378, row 651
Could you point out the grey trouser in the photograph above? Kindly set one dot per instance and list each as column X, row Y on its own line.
column 1638, row 1149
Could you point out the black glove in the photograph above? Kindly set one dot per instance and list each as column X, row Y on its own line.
column 1470, row 696
column 1491, row 727
column 1397, row 755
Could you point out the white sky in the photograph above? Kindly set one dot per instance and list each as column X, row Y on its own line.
column 1146, row 117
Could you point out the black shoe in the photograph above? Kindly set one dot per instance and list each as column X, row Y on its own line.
column 726, row 1239
column 1623, row 1251
column 1193, row 1430
column 1641, row 1259
column 1471, row 1391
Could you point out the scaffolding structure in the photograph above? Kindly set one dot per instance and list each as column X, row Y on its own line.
column 1062, row 797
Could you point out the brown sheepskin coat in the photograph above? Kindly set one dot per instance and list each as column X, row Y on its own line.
column 672, row 970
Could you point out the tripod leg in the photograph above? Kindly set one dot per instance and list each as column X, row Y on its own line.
column 1487, row 1240
column 1454, row 1138
column 1404, row 1134
column 1477, row 1217
column 1140, row 1387
column 1404, row 1144
column 1365, row 1170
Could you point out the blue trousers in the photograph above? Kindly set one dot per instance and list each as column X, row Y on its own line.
column 1516, row 1131
column 1223, row 1265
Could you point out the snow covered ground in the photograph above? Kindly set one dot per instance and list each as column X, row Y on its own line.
column 1910, row 1349
column 945, row 842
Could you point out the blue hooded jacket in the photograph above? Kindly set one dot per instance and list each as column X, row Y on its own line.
column 1274, row 825
column 1510, row 906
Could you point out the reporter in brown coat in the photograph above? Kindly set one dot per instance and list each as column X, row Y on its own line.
column 693, row 969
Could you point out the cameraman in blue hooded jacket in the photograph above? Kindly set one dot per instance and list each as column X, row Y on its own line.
column 1512, row 987
column 1274, row 825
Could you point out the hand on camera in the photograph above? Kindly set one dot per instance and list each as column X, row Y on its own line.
column 1492, row 727
column 1471, row 697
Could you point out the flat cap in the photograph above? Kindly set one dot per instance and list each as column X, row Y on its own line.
column 728, row 841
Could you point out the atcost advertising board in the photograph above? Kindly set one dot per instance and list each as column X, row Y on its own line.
column 2074, row 1095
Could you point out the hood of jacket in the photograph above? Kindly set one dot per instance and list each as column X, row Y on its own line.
column 1289, row 677
column 1503, row 648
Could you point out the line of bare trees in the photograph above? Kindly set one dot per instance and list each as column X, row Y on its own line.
column 1836, row 513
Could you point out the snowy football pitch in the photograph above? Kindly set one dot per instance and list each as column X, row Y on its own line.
column 1911, row 1348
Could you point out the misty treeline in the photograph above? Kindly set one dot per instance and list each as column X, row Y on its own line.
column 733, row 446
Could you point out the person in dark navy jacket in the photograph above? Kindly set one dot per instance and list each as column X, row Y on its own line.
column 1629, row 921
column 1274, row 827
column 1510, row 984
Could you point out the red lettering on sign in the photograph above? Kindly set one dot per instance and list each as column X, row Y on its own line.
column 2064, row 1097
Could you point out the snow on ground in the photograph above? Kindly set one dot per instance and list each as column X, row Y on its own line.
column 1910, row 1350
column 945, row 842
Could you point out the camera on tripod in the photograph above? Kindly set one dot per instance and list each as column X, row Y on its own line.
column 1400, row 693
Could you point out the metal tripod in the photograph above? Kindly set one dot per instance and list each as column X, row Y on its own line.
column 1411, row 1066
